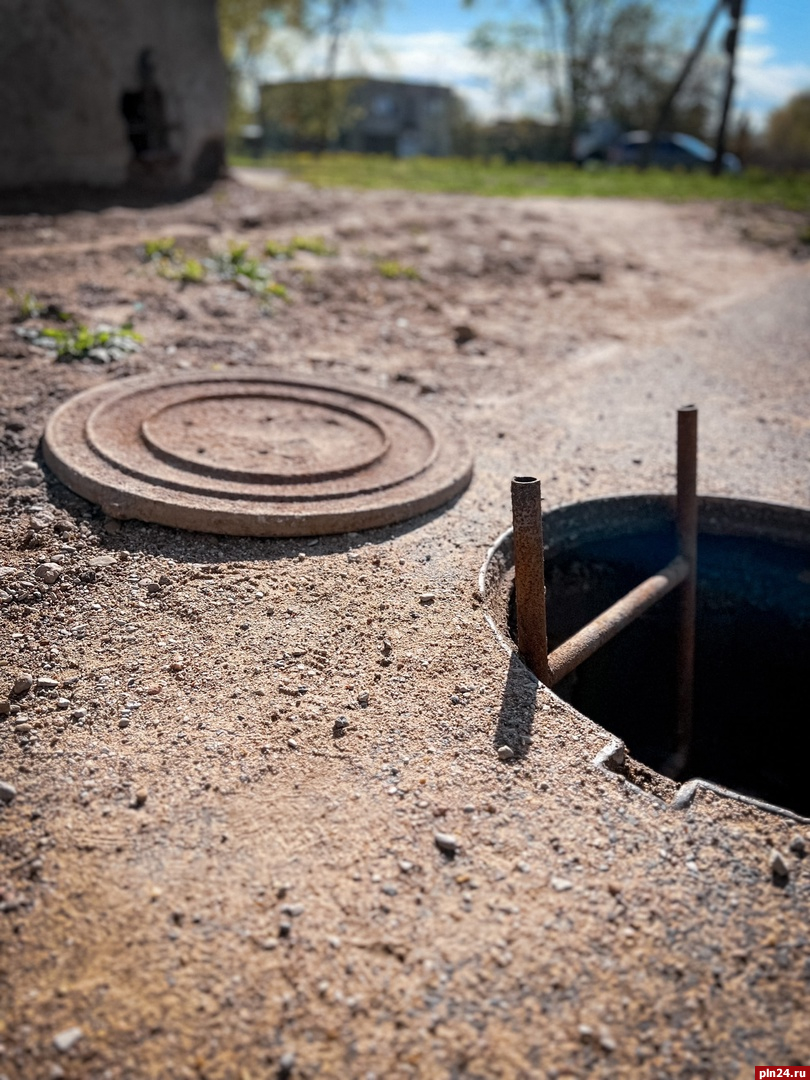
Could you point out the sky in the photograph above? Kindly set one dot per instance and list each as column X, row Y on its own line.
column 428, row 41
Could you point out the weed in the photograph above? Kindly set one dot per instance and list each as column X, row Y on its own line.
column 315, row 245
column 276, row 289
column 28, row 307
column 161, row 248
column 396, row 271
column 104, row 344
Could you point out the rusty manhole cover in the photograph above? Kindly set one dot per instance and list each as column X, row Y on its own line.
column 252, row 454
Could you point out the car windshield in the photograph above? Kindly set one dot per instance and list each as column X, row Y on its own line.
column 694, row 146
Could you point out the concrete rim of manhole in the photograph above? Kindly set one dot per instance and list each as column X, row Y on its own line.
column 571, row 524
column 252, row 453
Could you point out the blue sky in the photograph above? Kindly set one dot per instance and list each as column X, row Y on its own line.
column 428, row 40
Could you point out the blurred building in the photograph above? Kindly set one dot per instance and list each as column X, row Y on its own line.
column 102, row 92
column 361, row 115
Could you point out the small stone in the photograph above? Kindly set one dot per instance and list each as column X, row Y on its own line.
column 286, row 1064
column 561, row 884
column 141, row 796
column 505, row 753
column 62, row 703
column 78, row 714
column 779, row 866
column 293, row 910
column 798, row 846
column 123, row 722
column 102, row 560
column 152, row 587
column 341, row 723
column 446, row 842
column 44, row 683
column 7, row 792
column 353, row 556
column 21, row 686
column 293, row 745
column 5, row 707
column 390, row 890
column 163, row 580
column 67, row 1038
column 23, row 729
column 455, row 699
column 48, row 572
column 284, row 928
column 427, row 597
column 176, row 665
column 362, row 698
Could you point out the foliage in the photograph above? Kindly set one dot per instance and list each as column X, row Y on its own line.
column 597, row 58
column 788, row 133
column 395, row 271
column 28, row 307
column 187, row 271
column 159, row 248
column 234, row 265
column 315, row 245
column 102, row 345
column 478, row 177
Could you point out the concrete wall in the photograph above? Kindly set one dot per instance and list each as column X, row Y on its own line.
column 64, row 65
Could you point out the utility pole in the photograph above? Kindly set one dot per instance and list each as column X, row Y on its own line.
column 732, row 37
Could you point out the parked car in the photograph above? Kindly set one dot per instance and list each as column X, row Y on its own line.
column 669, row 151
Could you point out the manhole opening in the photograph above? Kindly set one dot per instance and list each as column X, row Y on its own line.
column 752, row 638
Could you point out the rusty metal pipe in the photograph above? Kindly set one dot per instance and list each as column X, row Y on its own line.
column 686, row 515
column 600, row 630
column 530, row 580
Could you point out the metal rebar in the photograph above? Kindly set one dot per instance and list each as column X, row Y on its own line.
column 600, row 630
column 687, row 526
column 530, row 581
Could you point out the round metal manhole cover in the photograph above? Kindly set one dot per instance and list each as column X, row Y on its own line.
column 253, row 454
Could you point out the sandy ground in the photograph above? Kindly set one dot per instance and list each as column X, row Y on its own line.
column 197, row 873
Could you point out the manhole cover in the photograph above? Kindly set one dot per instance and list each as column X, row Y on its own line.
column 252, row 454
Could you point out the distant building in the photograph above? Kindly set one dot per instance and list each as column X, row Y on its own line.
column 99, row 92
column 363, row 115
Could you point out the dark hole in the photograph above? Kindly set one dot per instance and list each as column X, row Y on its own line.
column 752, row 657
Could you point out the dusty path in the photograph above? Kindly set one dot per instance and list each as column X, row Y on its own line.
column 223, row 888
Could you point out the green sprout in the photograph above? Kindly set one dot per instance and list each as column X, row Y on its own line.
column 315, row 245
column 396, row 271
column 104, row 344
column 163, row 247
column 28, row 307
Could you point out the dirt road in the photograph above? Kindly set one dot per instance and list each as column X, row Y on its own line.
column 200, row 876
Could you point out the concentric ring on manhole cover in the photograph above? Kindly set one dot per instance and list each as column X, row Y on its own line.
column 253, row 454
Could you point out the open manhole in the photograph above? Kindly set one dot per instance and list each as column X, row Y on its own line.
column 752, row 660
column 253, row 454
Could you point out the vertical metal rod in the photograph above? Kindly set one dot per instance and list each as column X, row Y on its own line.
column 530, row 580
column 687, row 525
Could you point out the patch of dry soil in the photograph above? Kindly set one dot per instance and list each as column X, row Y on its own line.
column 201, row 871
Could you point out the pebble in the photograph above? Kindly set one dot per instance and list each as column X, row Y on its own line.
column 341, row 723
column 141, row 796
column 446, row 842
column 7, row 792
column 779, row 867
column 390, row 890
column 362, row 698
column 798, row 846
column 23, row 729
column 45, row 683
column 21, row 686
column 455, row 699
column 5, row 707
column 561, row 884
column 123, row 722
column 67, row 1038
column 286, row 1063
column 293, row 745
column 427, row 597
column 293, row 910
column 405, row 866
column 164, row 580
column 505, row 753
column 48, row 572
column 102, row 560
column 62, row 703
column 78, row 714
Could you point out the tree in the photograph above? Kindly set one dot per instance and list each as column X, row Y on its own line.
column 598, row 58
column 244, row 31
column 788, row 133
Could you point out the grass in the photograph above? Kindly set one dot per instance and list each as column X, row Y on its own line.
column 315, row 245
column 478, row 177
column 395, row 271
column 103, row 344
column 28, row 307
